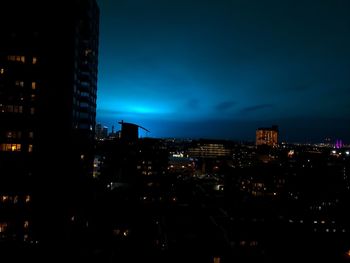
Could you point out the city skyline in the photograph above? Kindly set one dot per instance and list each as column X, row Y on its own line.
column 221, row 70
column 197, row 171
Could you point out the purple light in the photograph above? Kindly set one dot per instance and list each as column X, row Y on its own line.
column 339, row 144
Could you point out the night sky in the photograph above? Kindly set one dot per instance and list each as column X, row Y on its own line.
column 221, row 69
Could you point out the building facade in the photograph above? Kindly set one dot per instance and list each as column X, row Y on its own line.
column 267, row 136
column 48, row 84
column 209, row 149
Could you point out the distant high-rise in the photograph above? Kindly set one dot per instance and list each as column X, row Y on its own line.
column 267, row 136
column 48, row 82
column 98, row 131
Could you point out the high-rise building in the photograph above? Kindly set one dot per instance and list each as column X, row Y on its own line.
column 104, row 132
column 267, row 136
column 101, row 132
column 48, row 82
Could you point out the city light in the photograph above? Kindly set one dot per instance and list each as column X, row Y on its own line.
column 241, row 165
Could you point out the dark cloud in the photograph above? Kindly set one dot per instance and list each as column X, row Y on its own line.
column 225, row 105
column 256, row 107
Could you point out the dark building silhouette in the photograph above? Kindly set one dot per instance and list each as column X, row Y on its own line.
column 130, row 131
column 48, row 82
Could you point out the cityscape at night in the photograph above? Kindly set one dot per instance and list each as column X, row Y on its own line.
column 175, row 131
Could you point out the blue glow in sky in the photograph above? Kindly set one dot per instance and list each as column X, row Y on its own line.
column 221, row 69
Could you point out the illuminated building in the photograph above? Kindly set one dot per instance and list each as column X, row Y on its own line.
column 208, row 154
column 209, row 149
column 48, row 82
column 267, row 136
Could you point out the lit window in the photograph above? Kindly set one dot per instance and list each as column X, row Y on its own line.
column 30, row 148
column 13, row 134
column 17, row 109
column 32, row 96
column 15, row 199
column 35, row 60
column 31, row 135
column 9, row 108
column 17, row 58
column 33, row 85
column 126, row 233
column 9, row 135
column 14, row 147
column 32, row 111
column 3, row 227
column 26, row 224
column 4, row 198
column 2, row 71
column 27, row 198
column 10, row 147
column 19, row 83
